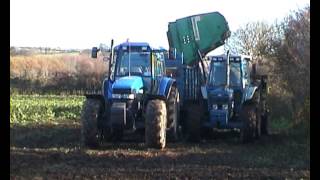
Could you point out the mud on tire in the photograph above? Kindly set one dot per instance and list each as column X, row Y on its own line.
column 156, row 123
column 91, row 111
column 250, row 122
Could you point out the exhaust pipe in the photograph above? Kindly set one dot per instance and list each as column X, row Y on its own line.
column 228, row 69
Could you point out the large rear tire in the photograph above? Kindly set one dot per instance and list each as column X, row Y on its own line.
column 248, row 115
column 91, row 112
column 264, row 125
column 156, row 123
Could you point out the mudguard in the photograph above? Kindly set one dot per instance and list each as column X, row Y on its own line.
column 249, row 92
column 165, row 86
column 107, row 89
column 95, row 96
column 162, row 89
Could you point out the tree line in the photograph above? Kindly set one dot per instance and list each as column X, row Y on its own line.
column 283, row 47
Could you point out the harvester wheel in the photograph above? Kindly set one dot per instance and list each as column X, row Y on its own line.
column 91, row 111
column 156, row 123
column 172, row 115
column 248, row 115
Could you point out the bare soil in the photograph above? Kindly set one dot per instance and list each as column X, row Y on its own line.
column 53, row 152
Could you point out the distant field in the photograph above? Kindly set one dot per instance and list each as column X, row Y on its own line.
column 45, row 144
column 55, row 73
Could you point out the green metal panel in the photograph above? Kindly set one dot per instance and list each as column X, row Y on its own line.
column 203, row 32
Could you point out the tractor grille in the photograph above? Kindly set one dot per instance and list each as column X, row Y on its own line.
column 218, row 100
column 121, row 91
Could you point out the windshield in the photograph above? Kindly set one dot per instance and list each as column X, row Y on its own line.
column 235, row 73
column 218, row 74
column 139, row 64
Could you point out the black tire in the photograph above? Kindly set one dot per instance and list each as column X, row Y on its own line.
column 156, row 123
column 172, row 115
column 206, row 133
column 193, row 122
column 117, row 134
column 258, row 124
column 91, row 112
column 249, row 117
column 264, row 125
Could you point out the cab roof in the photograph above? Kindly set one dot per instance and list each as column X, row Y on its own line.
column 133, row 44
column 224, row 57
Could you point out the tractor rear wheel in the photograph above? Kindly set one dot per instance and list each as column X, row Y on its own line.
column 258, row 125
column 264, row 125
column 248, row 115
column 90, row 134
column 156, row 123
column 172, row 115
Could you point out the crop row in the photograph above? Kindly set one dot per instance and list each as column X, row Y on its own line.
column 44, row 109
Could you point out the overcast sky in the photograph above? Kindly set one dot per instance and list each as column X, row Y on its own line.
column 87, row 23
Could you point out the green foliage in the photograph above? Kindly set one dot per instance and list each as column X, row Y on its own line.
column 25, row 109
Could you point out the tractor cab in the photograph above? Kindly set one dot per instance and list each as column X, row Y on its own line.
column 132, row 67
column 132, row 59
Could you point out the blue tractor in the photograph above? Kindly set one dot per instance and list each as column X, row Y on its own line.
column 216, row 92
column 136, row 96
column 236, row 96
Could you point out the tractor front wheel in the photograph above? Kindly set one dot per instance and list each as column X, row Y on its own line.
column 156, row 123
column 91, row 112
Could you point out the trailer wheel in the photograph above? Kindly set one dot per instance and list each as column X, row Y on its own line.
column 249, row 117
column 156, row 123
column 193, row 121
column 91, row 112
column 172, row 115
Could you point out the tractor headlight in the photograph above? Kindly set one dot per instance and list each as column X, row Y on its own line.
column 225, row 106
column 122, row 96
column 116, row 96
column 214, row 106
column 128, row 96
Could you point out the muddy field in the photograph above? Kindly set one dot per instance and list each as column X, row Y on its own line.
column 53, row 152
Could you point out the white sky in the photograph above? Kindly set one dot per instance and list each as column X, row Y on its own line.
column 87, row 23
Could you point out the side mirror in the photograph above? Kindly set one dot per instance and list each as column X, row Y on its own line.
column 94, row 52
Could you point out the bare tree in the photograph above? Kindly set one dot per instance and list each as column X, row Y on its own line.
column 292, row 56
column 285, row 48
